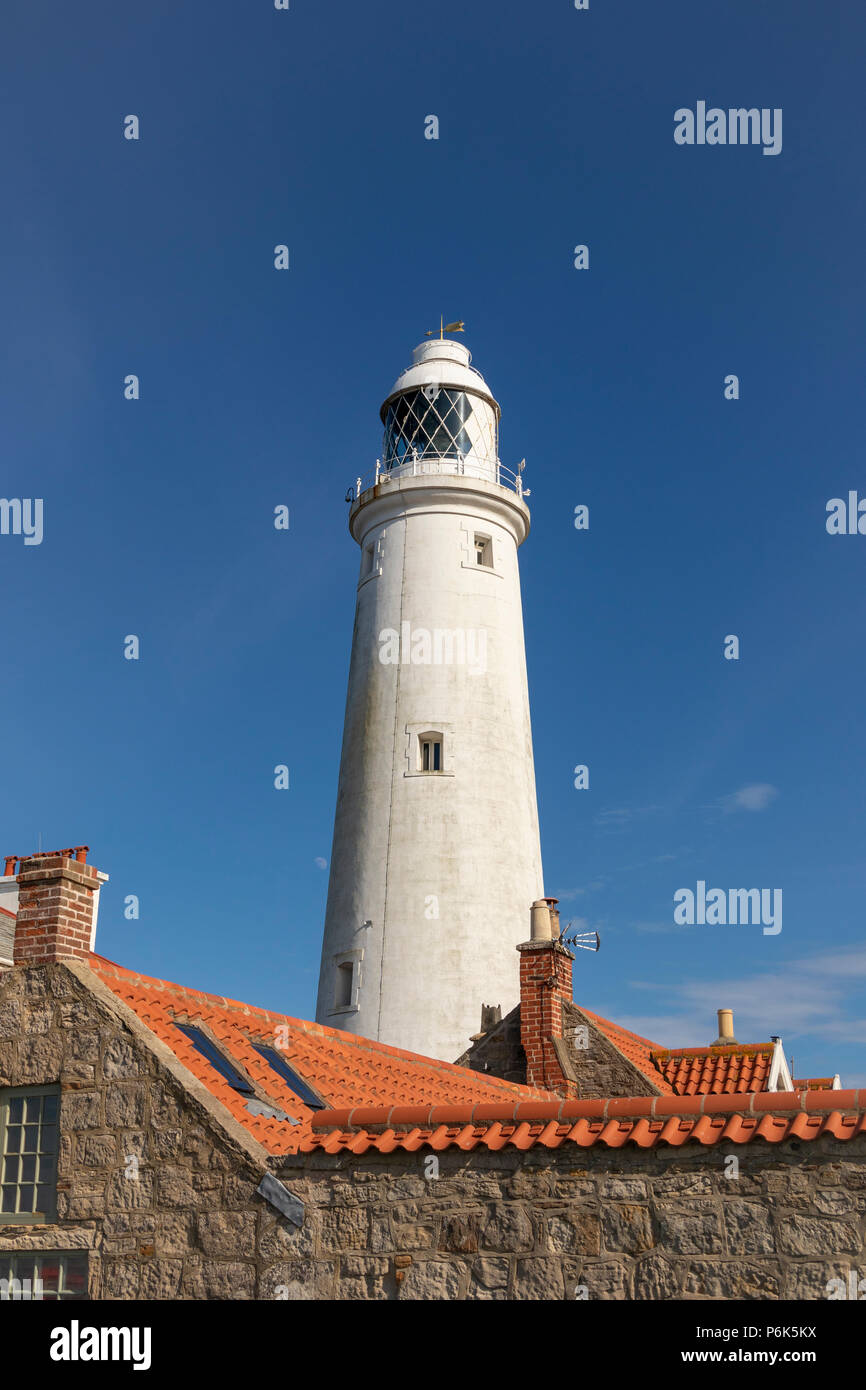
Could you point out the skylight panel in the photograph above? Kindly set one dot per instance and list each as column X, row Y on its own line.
column 217, row 1059
column 278, row 1063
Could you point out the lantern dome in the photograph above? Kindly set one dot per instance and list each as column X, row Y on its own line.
column 441, row 409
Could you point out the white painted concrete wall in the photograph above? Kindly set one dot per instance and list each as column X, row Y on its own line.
column 467, row 839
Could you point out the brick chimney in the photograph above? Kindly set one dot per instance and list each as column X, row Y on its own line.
column 545, row 985
column 58, row 894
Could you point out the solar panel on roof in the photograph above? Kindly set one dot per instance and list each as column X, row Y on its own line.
column 217, row 1059
column 279, row 1064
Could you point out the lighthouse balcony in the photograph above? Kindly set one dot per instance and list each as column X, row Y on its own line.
column 420, row 465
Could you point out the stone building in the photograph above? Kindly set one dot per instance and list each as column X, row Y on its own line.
column 161, row 1143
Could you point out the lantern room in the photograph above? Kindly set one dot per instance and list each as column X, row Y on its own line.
column 441, row 416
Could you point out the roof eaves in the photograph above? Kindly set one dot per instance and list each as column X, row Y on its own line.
column 643, row 1120
column 664, row 1054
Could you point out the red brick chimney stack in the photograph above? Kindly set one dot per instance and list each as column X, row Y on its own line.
column 57, row 896
column 545, row 984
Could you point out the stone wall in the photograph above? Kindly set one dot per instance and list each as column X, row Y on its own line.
column 588, row 1223
column 600, row 1069
column 499, row 1052
column 157, row 1192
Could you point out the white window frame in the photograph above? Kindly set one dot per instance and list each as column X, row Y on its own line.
column 471, row 535
column 431, row 741
column 415, row 733
column 483, row 551
column 374, row 548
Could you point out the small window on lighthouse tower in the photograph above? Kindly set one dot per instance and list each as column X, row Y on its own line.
column 484, row 551
column 345, row 985
column 430, row 748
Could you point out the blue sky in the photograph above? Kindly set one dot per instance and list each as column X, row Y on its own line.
column 707, row 516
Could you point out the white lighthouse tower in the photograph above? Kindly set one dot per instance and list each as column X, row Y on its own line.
column 436, row 857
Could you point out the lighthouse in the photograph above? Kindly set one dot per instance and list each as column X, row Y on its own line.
column 436, row 857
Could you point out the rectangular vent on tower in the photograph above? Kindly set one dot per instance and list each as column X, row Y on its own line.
column 484, row 551
column 345, row 985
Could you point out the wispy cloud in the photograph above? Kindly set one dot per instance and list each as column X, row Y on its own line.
column 580, row 924
column 802, row 998
column 670, row 926
column 618, row 817
column 647, row 863
column 568, row 895
column 595, row 885
column 755, row 797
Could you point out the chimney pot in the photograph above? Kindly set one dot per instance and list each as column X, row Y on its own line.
column 540, row 928
column 553, row 909
column 726, row 1029
column 491, row 1014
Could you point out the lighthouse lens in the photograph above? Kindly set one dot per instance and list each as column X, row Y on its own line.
column 431, row 423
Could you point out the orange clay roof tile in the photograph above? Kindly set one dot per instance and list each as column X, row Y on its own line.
column 737, row 1069
column 380, row 1097
column 706, row 1120
column 342, row 1067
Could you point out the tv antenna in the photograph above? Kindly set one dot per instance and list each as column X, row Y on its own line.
column 581, row 940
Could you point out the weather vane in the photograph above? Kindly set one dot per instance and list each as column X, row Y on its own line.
column 456, row 327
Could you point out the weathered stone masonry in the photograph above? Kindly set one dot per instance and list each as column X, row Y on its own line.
column 621, row 1223
column 182, row 1222
column 540, row 1224
column 599, row 1068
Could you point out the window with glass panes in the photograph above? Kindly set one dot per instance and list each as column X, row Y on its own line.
column 430, row 749
column 430, row 422
column 28, row 1154
column 43, row 1276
